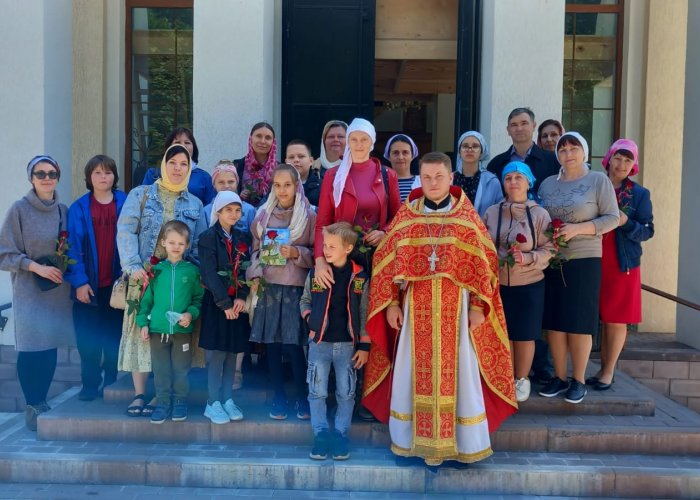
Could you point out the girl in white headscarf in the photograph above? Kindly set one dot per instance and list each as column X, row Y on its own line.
column 481, row 187
column 283, row 236
column 360, row 191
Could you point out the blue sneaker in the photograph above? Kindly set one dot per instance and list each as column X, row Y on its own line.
column 160, row 414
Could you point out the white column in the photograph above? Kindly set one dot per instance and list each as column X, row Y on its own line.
column 35, row 101
column 235, row 72
column 522, row 63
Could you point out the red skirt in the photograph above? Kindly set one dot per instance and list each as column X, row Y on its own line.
column 620, row 292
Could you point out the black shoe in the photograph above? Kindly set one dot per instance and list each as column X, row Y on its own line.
column 340, row 447
column 88, row 394
column 577, row 391
column 555, row 387
column 602, row 386
column 321, row 445
column 179, row 411
column 160, row 414
column 592, row 380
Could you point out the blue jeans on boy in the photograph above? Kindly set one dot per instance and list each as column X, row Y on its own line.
column 321, row 356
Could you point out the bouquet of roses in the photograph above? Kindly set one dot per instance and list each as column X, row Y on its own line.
column 237, row 267
column 509, row 259
column 134, row 305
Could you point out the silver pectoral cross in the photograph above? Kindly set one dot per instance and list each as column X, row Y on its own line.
column 433, row 259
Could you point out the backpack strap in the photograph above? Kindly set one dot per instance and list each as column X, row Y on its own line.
column 385, row 178
column 532, row 227
column 498, row 226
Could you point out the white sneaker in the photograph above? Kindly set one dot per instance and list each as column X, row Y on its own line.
column 233, row 411
column 522, row 389
column 215, row 412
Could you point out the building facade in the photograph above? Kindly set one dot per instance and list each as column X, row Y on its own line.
column 82, row 77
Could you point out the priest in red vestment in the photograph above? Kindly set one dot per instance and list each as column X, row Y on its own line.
column 445, row 381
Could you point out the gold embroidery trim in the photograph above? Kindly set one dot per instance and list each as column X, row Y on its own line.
column 404, row 417
column 471, row 420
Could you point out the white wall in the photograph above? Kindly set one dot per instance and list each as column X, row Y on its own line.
column 35, row 101
column 521, row 64
column 236, row 73
column 688, row 262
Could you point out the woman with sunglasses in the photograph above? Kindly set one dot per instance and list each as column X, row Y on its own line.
column 32, row 248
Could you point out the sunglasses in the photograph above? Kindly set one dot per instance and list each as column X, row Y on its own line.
column 41, row 175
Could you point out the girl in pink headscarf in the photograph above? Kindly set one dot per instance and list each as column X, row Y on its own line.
column 620, row 291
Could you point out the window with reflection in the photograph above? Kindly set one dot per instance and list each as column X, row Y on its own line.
column 592, row 63
column 158, row 80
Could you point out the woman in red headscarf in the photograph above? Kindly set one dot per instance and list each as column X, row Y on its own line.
column 255, row 168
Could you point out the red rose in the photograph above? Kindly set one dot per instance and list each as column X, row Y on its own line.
column 154, row 260
column 272, row 234
column 242, row 247
column 557, row 223
column 231, row 291
column 520, row 238
column 63, row 234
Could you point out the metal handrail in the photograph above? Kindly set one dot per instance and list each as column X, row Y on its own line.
column 668, row 296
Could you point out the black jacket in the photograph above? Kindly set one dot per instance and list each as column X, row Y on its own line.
column 316, row 300
column 214, row 257
column 542, row 163
column 312, row 186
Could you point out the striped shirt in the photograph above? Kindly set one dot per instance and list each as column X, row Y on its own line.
column 405, row 187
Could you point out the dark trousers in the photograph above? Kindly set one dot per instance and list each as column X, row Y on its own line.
column 171, row 358
column 222, row 366
column 295, row 355
column 35, row 372
column 98, row 330
column 542, row 362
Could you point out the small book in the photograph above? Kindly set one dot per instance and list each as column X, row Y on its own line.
column 273, row 239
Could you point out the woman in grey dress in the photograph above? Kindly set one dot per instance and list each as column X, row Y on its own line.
column 32, row 249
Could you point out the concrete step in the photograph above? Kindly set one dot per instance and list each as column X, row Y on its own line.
column 369, row 470
column 106, row 421
column 622, row 399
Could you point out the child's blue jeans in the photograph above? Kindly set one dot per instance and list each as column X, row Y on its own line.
column 321, row 356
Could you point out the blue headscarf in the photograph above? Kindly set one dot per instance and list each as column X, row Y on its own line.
column 400, row 138
column 521, row 168
column 484, row 149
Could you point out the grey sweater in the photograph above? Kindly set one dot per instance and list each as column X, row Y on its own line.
column 43, row 320
column 590, row 198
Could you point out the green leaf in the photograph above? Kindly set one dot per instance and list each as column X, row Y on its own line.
column 223, row 273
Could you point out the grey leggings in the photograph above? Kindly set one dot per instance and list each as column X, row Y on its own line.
column 222, row 366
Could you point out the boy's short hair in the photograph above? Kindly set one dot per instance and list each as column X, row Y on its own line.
column 103, row 161
column 298, row 142
column 177, row 226
column 343, row 229
column 436, row 157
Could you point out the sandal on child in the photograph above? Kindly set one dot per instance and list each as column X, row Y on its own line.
column 136, row 410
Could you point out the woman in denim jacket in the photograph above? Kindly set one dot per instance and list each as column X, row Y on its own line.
column 146, row 210
column 621, row 287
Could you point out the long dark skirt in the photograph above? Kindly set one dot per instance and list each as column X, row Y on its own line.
column 523, row 306
column 277, row 317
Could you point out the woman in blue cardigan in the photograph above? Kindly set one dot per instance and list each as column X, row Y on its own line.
column 481, row 187
column 92, row 233
column 620, row 291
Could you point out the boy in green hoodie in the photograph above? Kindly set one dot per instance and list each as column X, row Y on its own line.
column 169, row 307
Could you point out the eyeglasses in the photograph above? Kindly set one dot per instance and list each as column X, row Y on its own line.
column 469, row 147
column 41, row 175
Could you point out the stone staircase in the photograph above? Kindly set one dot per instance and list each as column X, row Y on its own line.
column 626, row 442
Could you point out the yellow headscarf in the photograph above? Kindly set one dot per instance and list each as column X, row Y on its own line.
column 164, row 180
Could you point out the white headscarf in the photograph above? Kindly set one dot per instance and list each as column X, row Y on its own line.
column 222, row 199
column 484, row 150
column 299, row 221
column 325, row 163
column 357, row 125
column 584, row 146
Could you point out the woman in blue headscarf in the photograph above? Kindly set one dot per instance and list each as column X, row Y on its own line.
column 518, row 227
column 481, row 187
column 402, row 153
